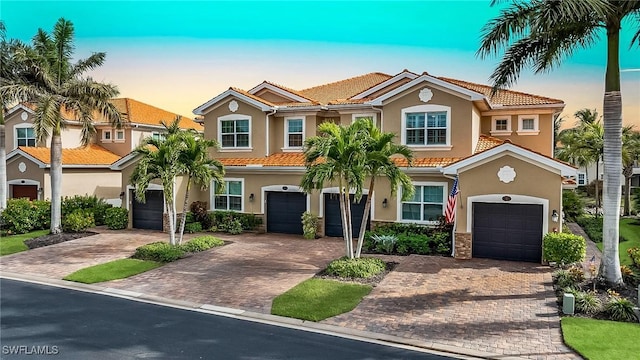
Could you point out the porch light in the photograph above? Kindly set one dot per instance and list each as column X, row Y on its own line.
column 554, row 216
column 251, row 197
column 385, row 203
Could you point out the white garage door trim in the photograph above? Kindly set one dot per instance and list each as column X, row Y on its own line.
column 334, row 190
column 281, row 188
column 515, row 199
column 151, row 187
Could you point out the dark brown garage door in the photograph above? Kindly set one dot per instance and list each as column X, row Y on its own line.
column 507, row 231
column 149, row 215
column 25, row 191
column 284, row 212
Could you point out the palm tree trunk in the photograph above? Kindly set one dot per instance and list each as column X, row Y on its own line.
column 349, row 230
column 183, row 220
column 343, row 216
column 610, row 265
column 365, row 217
column 56, row 183
column 172, row 222
column 627, row 173
column 3, row 167
column 597, row 184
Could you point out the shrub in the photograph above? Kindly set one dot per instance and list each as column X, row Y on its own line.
column 90, row 203
column 309, row 225
column 78, row 221
column 159, row 251
column 592, row 226
column 628, row 276
column 234, row 227
column 193, row 227
column 587, row 302
column 576, row 273
column 201, row 215
column 202, row 243
column 356, row 268
column 42, row 214
column 384, row 243
column 222, row 219
column 190, row 218
column 620, row 309
column 116, row 218
column 563, row 279
column 634, row 253
column 19, row 216
column 563, row 248
column 572, row 204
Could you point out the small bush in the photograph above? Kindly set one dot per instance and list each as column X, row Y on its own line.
column 234, row 227
column 384, row 243
column 88, row 203
column 576, row 273
column 201, row 214
column 78, row 221
column 620, row 309
column 563, row 279
column 572, row 204
column 159, row 251
column 190, row 218
column 202, row 243
column 116, row 218
column 19, row 216
column 592, row 226
column 191, row 228
column 309, row 225
column 634, row 253
column 356, row 268
column 628, row 276
column 563, row 248
column 42, row 214
column 588, row 303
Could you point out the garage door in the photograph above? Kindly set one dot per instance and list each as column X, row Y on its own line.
column 149, row 214
column 507, row 231
column 333, row 218
column 25, row 191
column 284, row 212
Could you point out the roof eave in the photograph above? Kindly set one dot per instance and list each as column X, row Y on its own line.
column 202, row 109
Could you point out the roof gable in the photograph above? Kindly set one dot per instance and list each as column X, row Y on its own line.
column 344, row 89
column 137, row 112
column 288, row 93
column 238, row 93
column 405, row 74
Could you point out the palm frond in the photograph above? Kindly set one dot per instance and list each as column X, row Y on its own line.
column 90, row 63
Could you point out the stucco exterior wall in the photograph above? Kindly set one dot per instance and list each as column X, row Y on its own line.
column 103, row 183
column 541, row 142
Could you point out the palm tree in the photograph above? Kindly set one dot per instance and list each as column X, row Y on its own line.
column 5, row 74
column 160, row 160
column 540, row 34
column 379, row 161
column 54, row 84
column 630, row 156
column 198, row 166
column 337, row 155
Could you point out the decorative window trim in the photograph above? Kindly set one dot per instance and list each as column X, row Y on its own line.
column 287, row 147
column 213, row 195
column 234, row 117
column 104, row 137
column 425, row 109
column 445, row 194
column 495, row 131
column 584, row 180
column 116, row 136
column 15, row 134
column 536, row 125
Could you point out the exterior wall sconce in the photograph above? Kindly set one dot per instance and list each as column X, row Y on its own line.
column 122, row 195
column 385, row 203
column 40, row 190
column 251, row 197
column 554, row 216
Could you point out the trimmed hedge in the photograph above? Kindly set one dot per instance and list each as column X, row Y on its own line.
column 202, row 243
column 563, row 248
column 356, row 268
column 116, row 218
column 78, row 221
column 409, row 239
column 159, row 251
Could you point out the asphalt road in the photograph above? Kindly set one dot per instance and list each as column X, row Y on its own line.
column 67, row 324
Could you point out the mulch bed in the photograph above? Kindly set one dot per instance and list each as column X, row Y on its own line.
column 373, row 281
column 52, row 239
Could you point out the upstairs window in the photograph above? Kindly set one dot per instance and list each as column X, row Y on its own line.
column 234, row 131
column 25, row 136
column 501, row 125
column 582, row 179
column 427, row 126
column 157, row 136
column 294, row 132
column 528, row 125
column 119, row 135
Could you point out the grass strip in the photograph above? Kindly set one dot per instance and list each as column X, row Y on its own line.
column 117, row 269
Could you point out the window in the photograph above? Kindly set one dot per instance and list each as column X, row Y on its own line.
column 427, row 204
column 427, row 126
column 528, row 125
column 106, row 135
column 372, row 117
column 582, row 179
column 501, row 125
column 294, row 132
column 157, row 136
column 231, row 197
column 234, row 132
column 25, row 136
column 119, row 135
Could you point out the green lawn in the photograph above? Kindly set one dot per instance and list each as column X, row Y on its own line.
column 602, row 339
column 15, row 243
column 117, row 269
column 630, row 230
column 318, row 299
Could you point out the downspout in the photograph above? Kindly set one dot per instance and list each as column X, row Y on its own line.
column 455, row 222
column 267, row 130
column 381, row 115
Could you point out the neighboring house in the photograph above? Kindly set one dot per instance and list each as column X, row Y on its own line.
column 85, row 170
column 500, row 148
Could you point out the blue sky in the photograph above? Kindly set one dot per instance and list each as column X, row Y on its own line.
column 177, row 55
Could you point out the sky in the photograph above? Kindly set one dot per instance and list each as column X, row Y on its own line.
column 177, row 55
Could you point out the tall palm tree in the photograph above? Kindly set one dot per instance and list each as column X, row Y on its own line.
column 380, row 152
column 55, row 85
column 337, row 155
column 198, row 167
column 540, row 34
column 5, row 75
column 160, row 160
column 630, row 157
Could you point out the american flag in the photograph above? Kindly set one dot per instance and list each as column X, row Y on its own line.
column 450, row 211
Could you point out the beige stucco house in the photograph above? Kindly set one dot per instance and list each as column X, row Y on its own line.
column 500, row 148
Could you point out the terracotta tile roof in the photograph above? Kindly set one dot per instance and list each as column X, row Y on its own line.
column 256, row 98
column 344, row 89
column 296, row 92
column 348, row 101
column 426, row 162
column 504, row 97
column 279, row 159
column 297, row 104
column 90, row 155
column 137, row 112
column 486, row 142
column 568, row 181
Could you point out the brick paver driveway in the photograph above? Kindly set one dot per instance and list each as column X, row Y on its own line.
column 501, row 307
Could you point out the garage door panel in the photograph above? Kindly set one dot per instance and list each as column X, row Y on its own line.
column 284, row 212
column 149, row 215
column 507, row 231
column 333, row 217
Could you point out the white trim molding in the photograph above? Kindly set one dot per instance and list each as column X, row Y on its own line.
column 515, row 199
column 39, row 190
column 426, row 109
column 208, row 106
column 281, row 188
column 536, row 125
column 234, row 117
column 212, row 195
column 445, row 194
column 494, row 125
column 287, row 147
